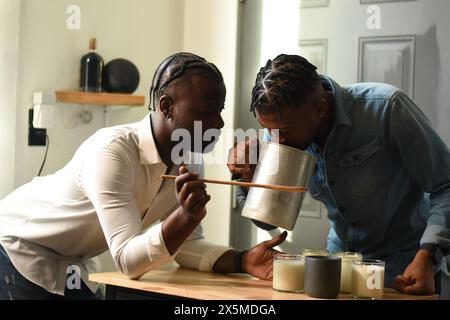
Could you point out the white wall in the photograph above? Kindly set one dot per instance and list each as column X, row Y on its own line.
column 49, row 59
column 210, row 30
column 9, row 44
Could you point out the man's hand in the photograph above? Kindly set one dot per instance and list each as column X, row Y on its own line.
column 191, row 194
column 258, row 261
column 242, row 159
column 192, row 197
column 418, row 276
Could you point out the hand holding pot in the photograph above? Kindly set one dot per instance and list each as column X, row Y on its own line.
column 242, row 159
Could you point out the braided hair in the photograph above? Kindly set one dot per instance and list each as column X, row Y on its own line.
column 288, row 80
column 176, row 66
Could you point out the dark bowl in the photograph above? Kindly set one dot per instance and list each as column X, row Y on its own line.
column 120, row 76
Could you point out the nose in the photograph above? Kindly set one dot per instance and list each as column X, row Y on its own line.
column 219, row 124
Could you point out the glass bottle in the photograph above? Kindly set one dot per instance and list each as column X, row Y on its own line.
column 91, row 69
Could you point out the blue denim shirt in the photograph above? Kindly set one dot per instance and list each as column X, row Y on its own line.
column 384, row 176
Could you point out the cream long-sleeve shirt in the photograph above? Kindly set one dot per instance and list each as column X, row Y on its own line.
column 109, row 195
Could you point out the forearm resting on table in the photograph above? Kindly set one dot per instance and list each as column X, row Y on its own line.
column 176, row 229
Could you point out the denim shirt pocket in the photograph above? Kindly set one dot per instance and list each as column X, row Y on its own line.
column 362, row 169
column 356, row 157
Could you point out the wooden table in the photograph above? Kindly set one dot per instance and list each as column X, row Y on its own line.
column 173, row 282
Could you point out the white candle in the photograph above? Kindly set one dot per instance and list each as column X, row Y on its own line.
column 315, row 252
column 347, row 259
column 288, row 273
column 368, row 279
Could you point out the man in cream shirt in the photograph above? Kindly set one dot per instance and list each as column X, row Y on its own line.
column 110, row 195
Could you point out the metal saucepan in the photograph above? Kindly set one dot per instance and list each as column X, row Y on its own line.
column 279, row 165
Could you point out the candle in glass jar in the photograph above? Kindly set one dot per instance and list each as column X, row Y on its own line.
column 288, row 273
column 347, row 259
column 368, row 279
column 315, row 252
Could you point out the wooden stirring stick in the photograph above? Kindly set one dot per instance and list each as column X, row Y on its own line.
column 246, row 184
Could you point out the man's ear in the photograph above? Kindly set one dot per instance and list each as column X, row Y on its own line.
column 165, row 106
column 321, row 107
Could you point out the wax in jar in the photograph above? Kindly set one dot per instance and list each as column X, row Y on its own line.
column 314, row 252
column 288, row 273
column 347, row 259
column 368, row 279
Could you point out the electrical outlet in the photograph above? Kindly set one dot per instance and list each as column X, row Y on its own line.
column 36, row 136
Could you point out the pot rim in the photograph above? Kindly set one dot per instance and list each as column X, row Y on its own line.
column 282, row 146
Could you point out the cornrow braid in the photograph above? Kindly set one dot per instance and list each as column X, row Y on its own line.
column 174, row 67
column 288, row 80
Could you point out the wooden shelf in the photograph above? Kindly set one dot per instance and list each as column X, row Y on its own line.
column 99, row 98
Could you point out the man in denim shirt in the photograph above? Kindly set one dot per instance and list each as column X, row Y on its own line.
column 382, row 171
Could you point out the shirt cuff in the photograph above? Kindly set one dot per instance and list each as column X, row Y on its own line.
column 241, row 195
column 210, row 257
column 156, row 247
column 434, row 234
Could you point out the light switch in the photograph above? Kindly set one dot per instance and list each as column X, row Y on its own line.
column 43, row 115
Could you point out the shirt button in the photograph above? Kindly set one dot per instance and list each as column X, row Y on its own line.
column 341, row 208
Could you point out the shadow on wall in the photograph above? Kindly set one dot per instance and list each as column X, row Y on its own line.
column 428, row 68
